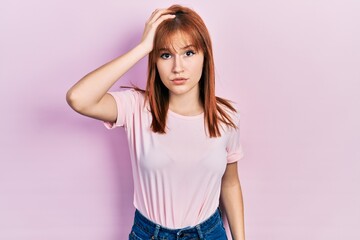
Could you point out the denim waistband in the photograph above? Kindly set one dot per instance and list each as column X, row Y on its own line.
column 200, row 229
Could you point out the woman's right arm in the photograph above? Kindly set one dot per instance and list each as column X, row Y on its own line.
column 89, row 95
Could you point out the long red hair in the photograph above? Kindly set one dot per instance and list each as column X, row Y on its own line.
column 187, row 22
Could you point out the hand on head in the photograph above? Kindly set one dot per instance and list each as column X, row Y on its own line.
column 157, row 17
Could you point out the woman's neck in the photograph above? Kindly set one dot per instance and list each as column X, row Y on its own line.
column 186, row 104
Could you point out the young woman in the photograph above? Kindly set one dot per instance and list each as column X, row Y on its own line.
column 184, row 141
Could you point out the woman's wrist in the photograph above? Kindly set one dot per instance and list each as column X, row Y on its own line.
column 144, row 47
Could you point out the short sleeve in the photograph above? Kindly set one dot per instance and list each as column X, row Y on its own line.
column 126, row 102
column 234, row 147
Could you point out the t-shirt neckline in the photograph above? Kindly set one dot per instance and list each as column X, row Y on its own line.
column 177, row 115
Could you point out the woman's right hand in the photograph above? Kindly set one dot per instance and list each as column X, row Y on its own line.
column 157, row 17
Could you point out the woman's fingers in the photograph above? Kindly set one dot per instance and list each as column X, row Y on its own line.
column 157, row 14
column 157, row 17
column 162, row 18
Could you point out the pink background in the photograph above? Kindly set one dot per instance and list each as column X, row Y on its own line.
column 292, row 66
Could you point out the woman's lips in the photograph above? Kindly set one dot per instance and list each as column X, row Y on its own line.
column 179, row 81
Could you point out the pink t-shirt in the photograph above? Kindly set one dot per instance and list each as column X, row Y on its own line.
column 177, row 175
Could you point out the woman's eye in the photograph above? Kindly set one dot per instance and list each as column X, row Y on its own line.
column 189, row 53
column 165, row 56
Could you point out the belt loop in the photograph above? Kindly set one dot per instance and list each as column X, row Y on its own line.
column 156, row 233
column 199, row 232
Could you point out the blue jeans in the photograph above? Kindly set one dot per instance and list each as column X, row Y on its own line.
column 210, row 229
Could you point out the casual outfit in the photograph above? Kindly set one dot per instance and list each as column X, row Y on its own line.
column 177, row 175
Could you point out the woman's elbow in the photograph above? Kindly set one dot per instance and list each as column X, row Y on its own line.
column 73, row 100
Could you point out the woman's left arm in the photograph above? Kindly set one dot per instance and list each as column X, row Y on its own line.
column 232, row 201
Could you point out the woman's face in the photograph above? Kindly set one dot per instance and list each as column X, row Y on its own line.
column 180, row 66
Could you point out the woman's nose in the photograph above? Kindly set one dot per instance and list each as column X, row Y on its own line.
column 177, row 65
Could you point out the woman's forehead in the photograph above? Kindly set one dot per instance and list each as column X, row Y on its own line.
column 177, row 42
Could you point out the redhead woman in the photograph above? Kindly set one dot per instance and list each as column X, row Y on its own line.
column 184, row 141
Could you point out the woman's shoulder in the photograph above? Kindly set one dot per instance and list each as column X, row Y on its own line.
column 132, row 93
column 133, row 90
column 129, row 98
